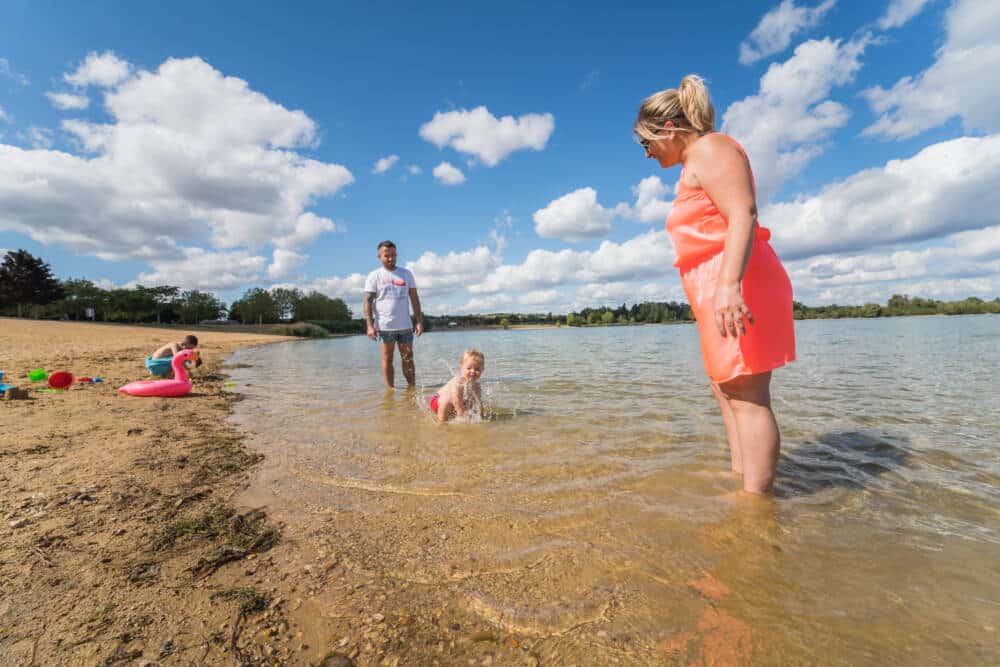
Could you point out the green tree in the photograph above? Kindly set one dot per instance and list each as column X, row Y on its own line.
column 81, row 294
column 162, row 296
column 288, row 301
column 27, row 280
column 607, row 317
column 131, row 305
column 870, row 310
column 194, row 306
column 898, row 302
column 256, row 306
column 318, row 306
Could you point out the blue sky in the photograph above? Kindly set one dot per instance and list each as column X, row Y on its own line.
column 226, row 146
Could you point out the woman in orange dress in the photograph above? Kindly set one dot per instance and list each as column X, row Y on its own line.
column 738, row 290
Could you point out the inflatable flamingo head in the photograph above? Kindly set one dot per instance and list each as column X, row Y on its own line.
column 182, row 358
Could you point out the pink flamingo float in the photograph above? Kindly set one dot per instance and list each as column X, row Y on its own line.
column 179, row 386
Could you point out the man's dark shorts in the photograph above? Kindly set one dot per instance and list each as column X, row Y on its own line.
column 404, row 336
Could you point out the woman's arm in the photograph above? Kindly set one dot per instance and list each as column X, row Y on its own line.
column 724, row 175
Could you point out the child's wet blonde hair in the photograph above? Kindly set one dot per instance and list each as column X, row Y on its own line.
column 475, row 354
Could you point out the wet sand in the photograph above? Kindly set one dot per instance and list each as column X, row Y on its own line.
column 124, row 538
column 594, row 522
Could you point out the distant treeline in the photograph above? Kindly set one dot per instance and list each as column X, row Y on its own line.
column 640, row 313
column 899, row 305
column 656, row 312
column 27, row 287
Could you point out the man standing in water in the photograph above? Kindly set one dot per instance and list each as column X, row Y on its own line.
column 389, row 291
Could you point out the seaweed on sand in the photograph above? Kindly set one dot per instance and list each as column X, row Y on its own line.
column 237, row 535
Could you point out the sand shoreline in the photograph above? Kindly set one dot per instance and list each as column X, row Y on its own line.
column 118, row 541
column 122, row 540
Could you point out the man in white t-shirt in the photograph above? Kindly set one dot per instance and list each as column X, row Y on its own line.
column 389, row 292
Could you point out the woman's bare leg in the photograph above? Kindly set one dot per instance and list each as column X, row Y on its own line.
column 749, row 396
column 732, row 434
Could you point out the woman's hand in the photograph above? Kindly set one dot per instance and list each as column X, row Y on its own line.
column 730, row 311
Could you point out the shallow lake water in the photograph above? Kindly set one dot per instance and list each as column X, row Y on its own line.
column 594, row 505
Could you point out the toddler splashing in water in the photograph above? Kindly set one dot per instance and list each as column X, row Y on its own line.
column 462, row 394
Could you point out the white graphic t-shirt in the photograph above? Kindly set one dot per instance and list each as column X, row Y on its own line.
column 392, row 298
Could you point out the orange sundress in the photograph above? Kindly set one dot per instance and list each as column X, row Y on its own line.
column 698, row 232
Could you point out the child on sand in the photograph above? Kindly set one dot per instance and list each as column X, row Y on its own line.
column 158, row 363
column 462, row 394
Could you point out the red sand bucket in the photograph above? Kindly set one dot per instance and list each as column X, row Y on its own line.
column 61, row 380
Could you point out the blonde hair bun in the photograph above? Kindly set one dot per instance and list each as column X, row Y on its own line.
column 688, row 107
column 696, row 103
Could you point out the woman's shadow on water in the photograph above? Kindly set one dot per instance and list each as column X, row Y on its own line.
column 846, row 459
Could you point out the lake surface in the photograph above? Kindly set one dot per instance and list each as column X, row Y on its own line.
column 594, row 506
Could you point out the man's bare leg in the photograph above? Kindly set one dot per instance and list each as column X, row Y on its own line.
column 388, row 372
column 409, row 371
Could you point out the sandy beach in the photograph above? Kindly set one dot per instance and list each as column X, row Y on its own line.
column 130, row 531
column 117, row 541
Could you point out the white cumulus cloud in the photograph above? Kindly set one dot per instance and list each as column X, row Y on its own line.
column 777, row 27
column 40, row 137
column 442, row 274
column 479, row 133
column 651, row 204
column 945, row 188
column 104, row 70
column 964, row 264
column 574, row 217
column 284, row 263
column 383, row 164
column 784, row 125
column 539, row 297
column 485, row 304
column 306, row 230
column 198, row 268
column 189, row 156
column 647, row 256
column 67, row 101
column 449, row 174
column 899, row 12
column 961, row 83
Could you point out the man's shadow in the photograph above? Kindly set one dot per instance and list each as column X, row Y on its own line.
column 846, row 459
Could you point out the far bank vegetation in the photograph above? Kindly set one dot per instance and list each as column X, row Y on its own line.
column 29, row 289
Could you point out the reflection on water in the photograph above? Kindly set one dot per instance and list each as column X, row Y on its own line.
column 595, row 515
